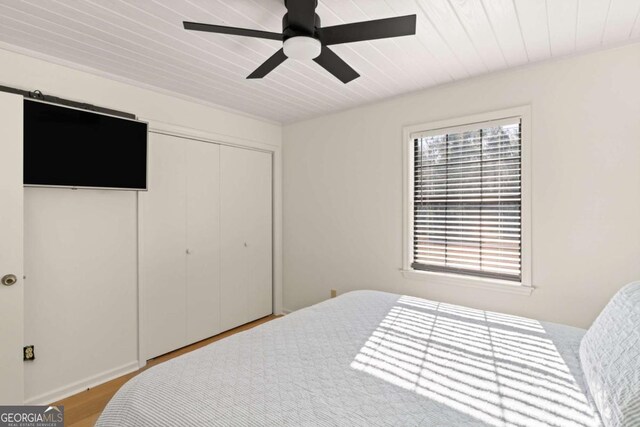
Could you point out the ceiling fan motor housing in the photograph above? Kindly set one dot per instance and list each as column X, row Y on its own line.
column 291, row 30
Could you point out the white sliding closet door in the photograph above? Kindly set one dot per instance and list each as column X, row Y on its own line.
column 180, row 244
column 163, row 245
column 203, row 240
column 246, row 235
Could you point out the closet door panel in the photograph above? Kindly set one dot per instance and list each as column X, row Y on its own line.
column 246, row 236
column 163, row 244
column 260, row 234
column 203, row 240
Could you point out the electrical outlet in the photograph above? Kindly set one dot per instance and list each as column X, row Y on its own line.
column 334, row 293
column 29, row 352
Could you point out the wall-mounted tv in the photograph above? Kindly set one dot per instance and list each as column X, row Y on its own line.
column 69, row 147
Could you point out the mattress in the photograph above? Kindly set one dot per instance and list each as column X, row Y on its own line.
column 370, row 358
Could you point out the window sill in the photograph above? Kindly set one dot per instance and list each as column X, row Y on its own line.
column 468, row 282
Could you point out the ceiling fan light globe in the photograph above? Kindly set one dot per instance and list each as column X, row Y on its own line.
column 302, row 47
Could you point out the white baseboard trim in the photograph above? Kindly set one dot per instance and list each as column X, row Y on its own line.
column 286, row 311
column 78, row 386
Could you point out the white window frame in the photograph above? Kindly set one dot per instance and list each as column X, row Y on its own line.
column 525, row 286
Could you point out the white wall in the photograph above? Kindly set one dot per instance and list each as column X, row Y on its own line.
column 343, row 188
column 80, row 289
column 81, row 247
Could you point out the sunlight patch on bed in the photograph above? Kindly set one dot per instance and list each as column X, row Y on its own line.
column 497, row 368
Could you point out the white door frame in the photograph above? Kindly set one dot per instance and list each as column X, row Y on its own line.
column 221, row 139
column 11, row 249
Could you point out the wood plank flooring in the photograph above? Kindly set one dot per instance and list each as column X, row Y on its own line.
column 84, row 408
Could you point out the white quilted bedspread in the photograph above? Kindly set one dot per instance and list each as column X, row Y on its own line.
column 370, row 359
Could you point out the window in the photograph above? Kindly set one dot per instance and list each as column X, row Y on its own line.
column 467, row 210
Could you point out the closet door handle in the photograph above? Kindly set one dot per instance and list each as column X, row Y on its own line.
column 245, row 245
column 188, row 251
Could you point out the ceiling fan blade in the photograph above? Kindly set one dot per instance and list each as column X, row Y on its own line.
column 336, row 66
column 301, row 15
column 369, row 30
column 269, row 65
column 208, row 28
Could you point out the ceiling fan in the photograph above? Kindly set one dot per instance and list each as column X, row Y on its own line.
column 304, row 38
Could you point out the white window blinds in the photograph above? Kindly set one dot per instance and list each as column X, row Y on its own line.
column 467, row 200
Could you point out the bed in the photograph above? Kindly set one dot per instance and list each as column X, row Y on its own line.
column 371, row 358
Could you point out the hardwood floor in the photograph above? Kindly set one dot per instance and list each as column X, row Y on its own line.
column 83, row 409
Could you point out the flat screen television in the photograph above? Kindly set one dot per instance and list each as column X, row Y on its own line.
column 69, row 147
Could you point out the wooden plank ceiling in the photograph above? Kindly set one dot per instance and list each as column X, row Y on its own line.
column 143, row 41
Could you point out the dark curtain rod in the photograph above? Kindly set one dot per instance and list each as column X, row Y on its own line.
column 36, row 94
